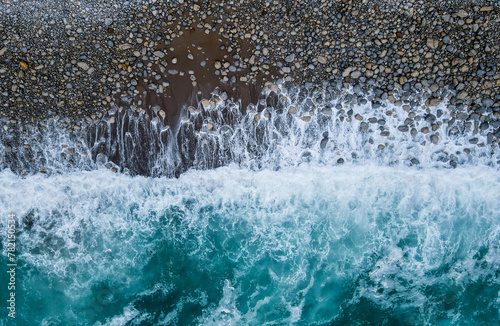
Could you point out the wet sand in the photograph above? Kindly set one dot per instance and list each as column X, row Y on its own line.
column 184, row 90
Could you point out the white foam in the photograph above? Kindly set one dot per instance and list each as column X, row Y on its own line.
column 226, row 313
column 95, row 225
column 268, row 137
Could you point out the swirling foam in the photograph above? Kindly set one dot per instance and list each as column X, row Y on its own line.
column 307, row 244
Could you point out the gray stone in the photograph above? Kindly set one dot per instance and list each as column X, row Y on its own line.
column 356, row 74
column 432, row 43
column 323, row 143
column 322, row 60
column 484, row 126
column 83, row 66
column 159, row 54
column 290, row 58
column 462, row 13
column 363, row 126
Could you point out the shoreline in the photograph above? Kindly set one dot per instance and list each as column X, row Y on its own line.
column 170, row 65
column 300, row 126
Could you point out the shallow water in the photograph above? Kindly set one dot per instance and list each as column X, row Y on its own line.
column 305, row 245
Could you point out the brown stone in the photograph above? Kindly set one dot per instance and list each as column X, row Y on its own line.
column 462, row 95
column 433, row 101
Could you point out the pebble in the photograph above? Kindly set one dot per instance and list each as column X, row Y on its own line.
column 83, row 66
column 326, row 111
column 433, row 101
column 356, row 74
column 347, row 71
column 432, row 43
column 462, row 95
column 159, row 54
column 125, row 46
column 323, row 143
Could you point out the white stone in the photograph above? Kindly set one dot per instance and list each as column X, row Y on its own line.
column 124, row 46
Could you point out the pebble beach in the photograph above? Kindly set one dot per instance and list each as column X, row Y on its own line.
column 267, row 162
column 77, row 61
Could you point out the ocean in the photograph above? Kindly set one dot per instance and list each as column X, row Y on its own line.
column 307, row 245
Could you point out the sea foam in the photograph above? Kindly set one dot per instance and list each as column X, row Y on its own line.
column 306, row 244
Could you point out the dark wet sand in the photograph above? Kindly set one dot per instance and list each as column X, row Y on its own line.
column 182, row 92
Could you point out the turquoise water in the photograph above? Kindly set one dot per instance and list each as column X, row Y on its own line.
column 305, row 245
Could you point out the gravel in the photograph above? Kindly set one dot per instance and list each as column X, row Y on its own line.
column 86, row 57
